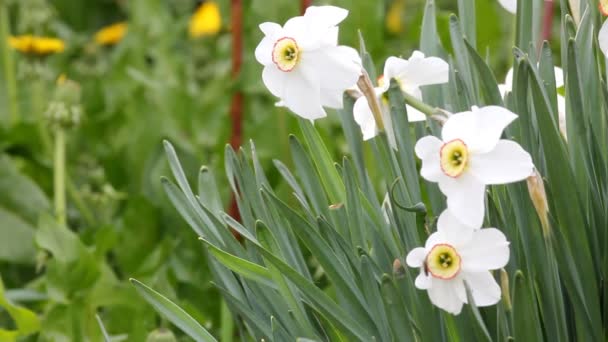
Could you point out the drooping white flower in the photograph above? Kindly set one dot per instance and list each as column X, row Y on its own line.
column 303, row 64
column 509, row 5
column 456, row 254
column 411, row 74
column 561, row 100
column 470, row 156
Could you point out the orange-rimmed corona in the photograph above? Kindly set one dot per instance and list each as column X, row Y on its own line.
column 443, row 262
column 286, row 54
column 454, row 158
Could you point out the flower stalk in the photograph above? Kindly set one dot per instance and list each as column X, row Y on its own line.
column 59, row 188
column 421, row 106
column 367, row 88
column 9, row 64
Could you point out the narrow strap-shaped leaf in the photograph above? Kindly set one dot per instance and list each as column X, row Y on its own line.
column 173, row 313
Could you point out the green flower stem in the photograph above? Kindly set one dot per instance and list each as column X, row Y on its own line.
column 421, row 106
column 38, row 102
column 59, row 176
column 9, row 64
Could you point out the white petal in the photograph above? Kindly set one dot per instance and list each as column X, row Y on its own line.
column 300, row 30
column 509, row 5
column 337, row 69
column 488, row 249
column 444, row 294
column 434, row 239
column 603, row 38
column 561, row 109
column 455, row 232
column 509, row 80
column 465, row 198
column 417, row 71
column 365, row 118
column 302, row 96
column 508, row 162
column 393, row 68
column 559, row 77
column 423, row 281
column 271, row 29
column 263, row 52
column 415, row 258
column 274, row 79
column 484, row 288
column 326, row 15
column 503, row 89
column 426, row 71
column 413, row 114
column 427, row 149
column 480, row 129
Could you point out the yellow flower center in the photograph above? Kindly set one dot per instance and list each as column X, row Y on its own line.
column 286, row 54
column 454, row 157
column 443, row 262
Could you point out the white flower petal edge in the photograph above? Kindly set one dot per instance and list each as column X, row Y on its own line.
column 456, row 254
column 509, row 5
column 303, row 65
column 603, row 38
column 471, row 155
column 411, row 74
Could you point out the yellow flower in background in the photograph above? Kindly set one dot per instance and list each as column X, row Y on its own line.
column 33, row 45
column 394, row 22
column 206, row 20
column 111, row 34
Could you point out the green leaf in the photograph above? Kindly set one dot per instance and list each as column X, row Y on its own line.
column 325, row 165
column 243, row 267
column 27, row 322
column 20, row 195
column 173, row 313
column 16, row 239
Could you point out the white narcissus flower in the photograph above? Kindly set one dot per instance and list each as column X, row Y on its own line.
column 456, row 254
column 509, row 5
column 411, row 74
column 561, row 100
column 303, row 64
column 470, row 156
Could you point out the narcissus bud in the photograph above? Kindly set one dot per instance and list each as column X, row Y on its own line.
column 536, row 188
column 504, row 286
column 398, row 269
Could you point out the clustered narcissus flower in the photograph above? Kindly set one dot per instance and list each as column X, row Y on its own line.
column 33, row 45
column 303, row 64
column 471, row 155
column 410, row 74
column 457, row 254
column 307, row 70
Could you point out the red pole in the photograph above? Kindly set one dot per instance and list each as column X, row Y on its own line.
column 304, row 4
column 236, row 108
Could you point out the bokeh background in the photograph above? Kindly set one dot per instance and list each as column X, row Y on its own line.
column 156, row 82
